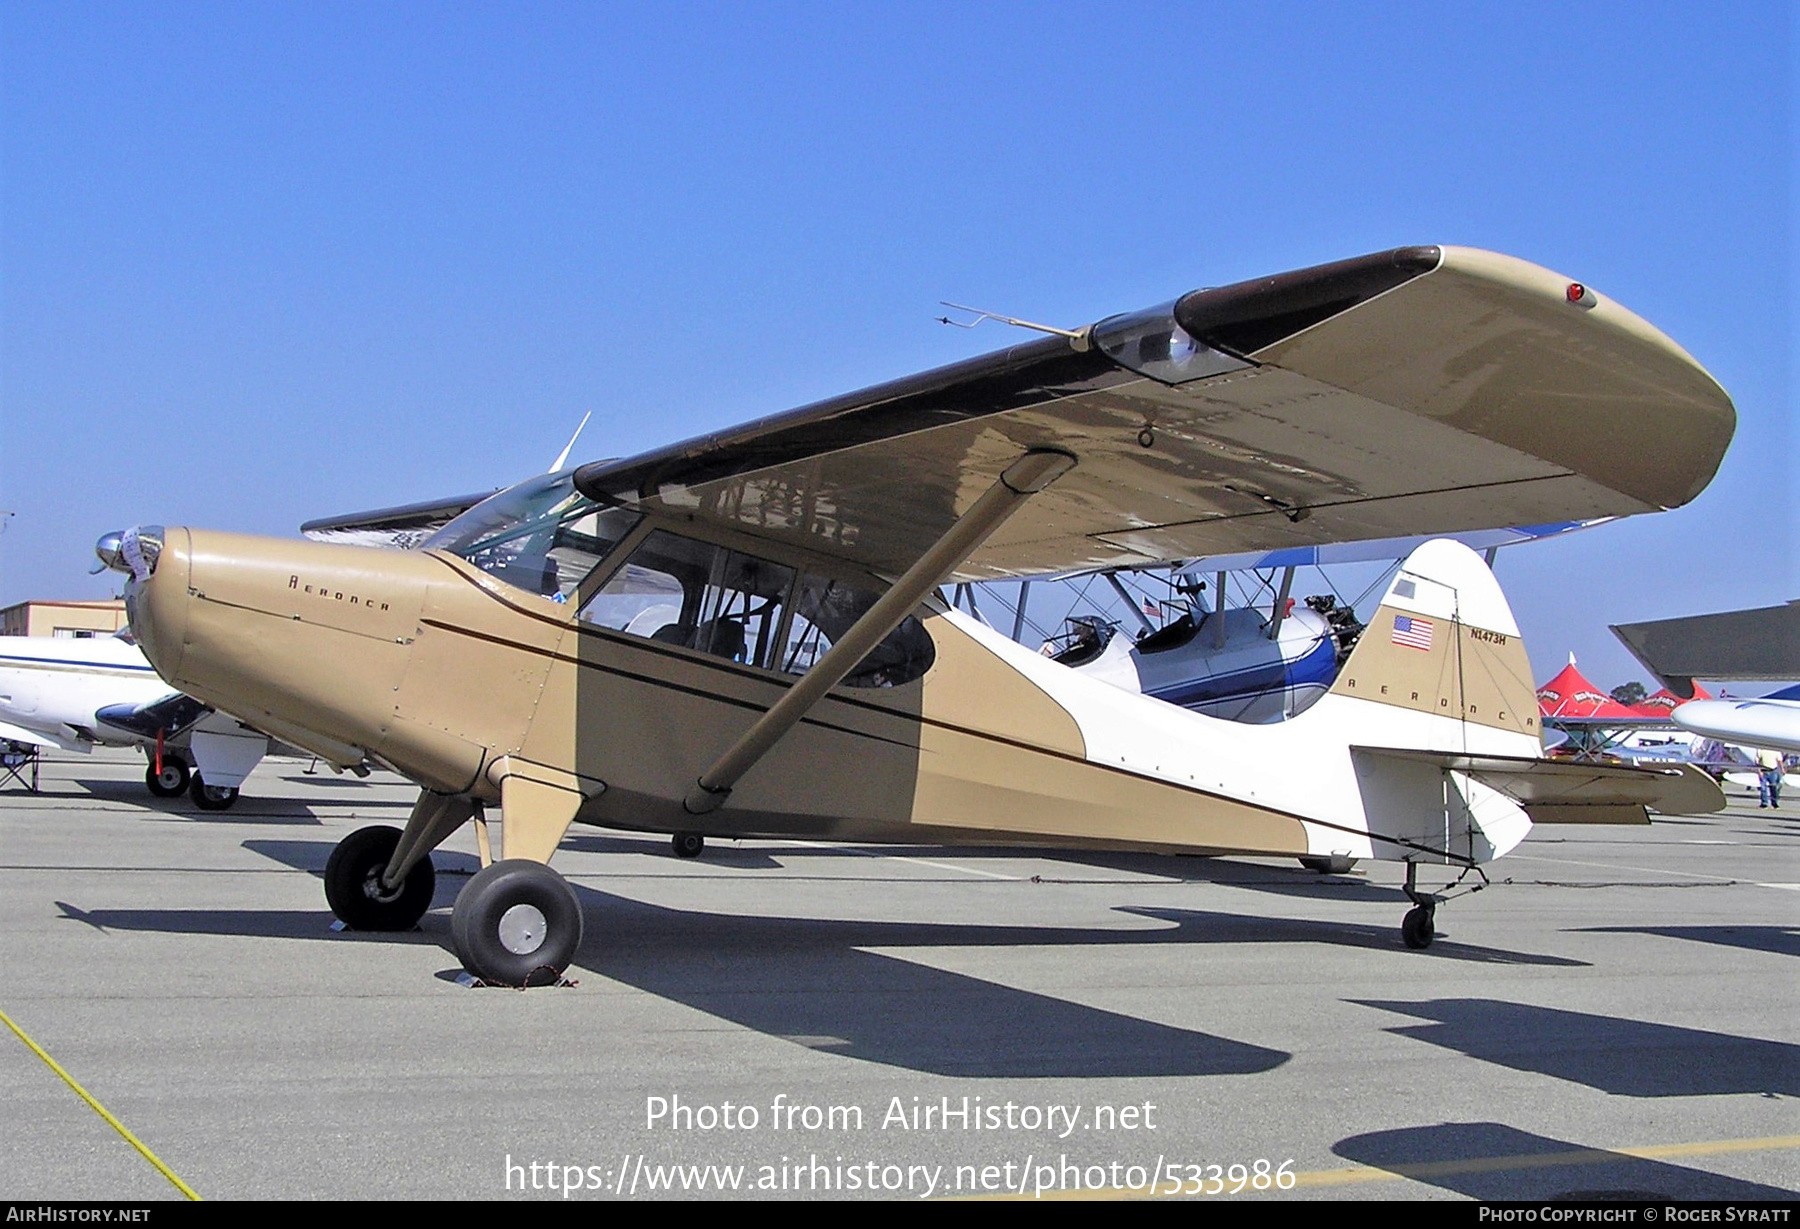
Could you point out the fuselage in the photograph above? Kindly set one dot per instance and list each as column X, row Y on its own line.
column 1774, row 724
column 460, row 679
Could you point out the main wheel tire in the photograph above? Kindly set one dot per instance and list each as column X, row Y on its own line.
column 688, row 844
column 171, row 782
column 1328, row 864
column 516, row 923
column 1419, row 927
column 353, row 883
column 211, row 797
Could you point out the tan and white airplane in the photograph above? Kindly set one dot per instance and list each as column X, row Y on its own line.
column 741, row 634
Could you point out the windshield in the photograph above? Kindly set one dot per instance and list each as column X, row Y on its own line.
column 542, row 536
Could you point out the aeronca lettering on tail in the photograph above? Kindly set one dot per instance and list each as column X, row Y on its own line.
column 744, row 634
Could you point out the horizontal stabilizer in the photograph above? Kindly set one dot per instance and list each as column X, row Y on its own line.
column 1571, row 792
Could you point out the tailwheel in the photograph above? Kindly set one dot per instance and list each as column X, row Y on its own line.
column 354, row 889
column 516, row 923
column 1328, row 864
column 1419, row 927
column 171, row 782
column 688, row 844
column 211, row 797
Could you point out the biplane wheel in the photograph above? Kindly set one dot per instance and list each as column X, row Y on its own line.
column 210, row 797
column 1332, row 864
column 1419, row 927
column 171, row 782
column 516, row 923
column 688, row 844
column 353, row 883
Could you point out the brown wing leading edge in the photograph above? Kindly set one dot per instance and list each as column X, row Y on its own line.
column 1421, row 390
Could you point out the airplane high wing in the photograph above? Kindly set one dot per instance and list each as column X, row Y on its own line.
column 741, row 634
column 1424, row 390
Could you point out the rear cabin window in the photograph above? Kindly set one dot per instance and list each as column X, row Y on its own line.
column 825, row 609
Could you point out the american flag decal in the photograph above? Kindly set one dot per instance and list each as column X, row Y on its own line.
column 1411, row 632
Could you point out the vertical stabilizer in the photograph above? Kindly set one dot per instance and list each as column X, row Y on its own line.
column 1443, row 643
column 1440, row 668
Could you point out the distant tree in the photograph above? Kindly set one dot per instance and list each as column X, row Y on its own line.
column 1629, row 694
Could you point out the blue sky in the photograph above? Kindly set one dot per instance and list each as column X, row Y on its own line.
column 265, row 262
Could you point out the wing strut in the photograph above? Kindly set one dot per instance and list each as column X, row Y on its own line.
column 1130, row 602
column 1281, row 601
column 1024, row 478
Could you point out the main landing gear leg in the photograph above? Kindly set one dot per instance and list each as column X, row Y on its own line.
column 380, row 878
column 1419, row 927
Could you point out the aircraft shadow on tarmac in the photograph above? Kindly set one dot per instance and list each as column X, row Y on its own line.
column 1779, row 940
column 248, row 809
column 1177, row 868
column 262, row 923
column 814, row 981
column 808, row 982
column 1491, row 1161
column 1629, row 1058
column 1188, row 926
column 1200, row 926
column 329, row 780
column 718, row 852
column 311, row 857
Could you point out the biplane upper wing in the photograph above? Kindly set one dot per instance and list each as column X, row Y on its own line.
column 1379, row 549
column 403, row 527
column 1417, row 391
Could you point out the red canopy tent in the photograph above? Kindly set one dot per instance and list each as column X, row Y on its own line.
column 1570, row 697
column 1665, row 702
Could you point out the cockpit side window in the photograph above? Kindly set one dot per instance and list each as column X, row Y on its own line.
column 697, row 595
column 724, row 602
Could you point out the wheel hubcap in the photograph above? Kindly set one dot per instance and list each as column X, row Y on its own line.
column 374, row 891
column 522, row 929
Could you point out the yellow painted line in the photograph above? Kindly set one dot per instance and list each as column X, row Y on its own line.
column 1542, row 1160
column 1443, row 1169
column 100, row 1109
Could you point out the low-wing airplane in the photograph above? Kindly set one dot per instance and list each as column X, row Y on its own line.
column 741, row 634
column 73, row 694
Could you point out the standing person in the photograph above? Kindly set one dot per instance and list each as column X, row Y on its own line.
column 1768, row 778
